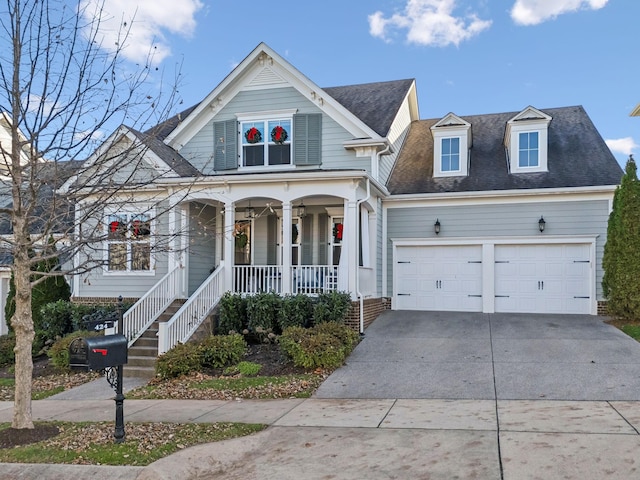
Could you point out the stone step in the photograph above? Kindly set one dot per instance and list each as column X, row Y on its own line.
column 139, row 371
column 146, row 342
column 143, row 351
column 141, row 361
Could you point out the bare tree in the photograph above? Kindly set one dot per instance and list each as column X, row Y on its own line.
column 60, row 89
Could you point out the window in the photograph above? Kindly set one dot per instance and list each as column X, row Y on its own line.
column 528, row 149
column 526, row 141
column 296, row 240
column 266, row 142
column 129, row 243
column 450, row 156
column 452, row 141
column 335, row 243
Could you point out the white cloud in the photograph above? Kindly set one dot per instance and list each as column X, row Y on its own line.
column 624, row 145
column 90, row 134
column 429, row 22
column 147, row 22
column 532, row 12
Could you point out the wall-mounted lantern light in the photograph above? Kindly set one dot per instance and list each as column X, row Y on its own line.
column 249, row 212
column 436, row 226
column 541, row 224
column 301, row 210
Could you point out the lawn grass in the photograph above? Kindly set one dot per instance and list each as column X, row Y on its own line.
column 240, row 384
column 632, row 330
column 144, row 443
column 35, row 395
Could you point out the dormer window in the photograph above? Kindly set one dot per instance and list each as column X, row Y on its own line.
column 526, row 141
column 451, row 143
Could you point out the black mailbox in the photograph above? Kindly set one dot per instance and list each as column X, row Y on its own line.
column 97, row 353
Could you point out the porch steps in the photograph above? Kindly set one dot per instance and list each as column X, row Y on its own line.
column 143, row 354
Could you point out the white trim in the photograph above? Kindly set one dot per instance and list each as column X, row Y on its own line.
column 266, row 115
column 449, row 127
column 529, row 120
column 241, row 77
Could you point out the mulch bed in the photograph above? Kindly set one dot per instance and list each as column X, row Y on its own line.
column 13, row 437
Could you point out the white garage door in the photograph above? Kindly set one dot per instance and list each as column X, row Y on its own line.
column 439, row 278
column 543, row 278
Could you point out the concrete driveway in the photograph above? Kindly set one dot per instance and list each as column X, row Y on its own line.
column 452, row 355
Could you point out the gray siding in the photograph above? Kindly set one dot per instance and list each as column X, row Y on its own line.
column 199, row 150
column 202, row 243
column 563, row 218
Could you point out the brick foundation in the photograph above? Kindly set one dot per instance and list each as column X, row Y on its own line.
column 372, row 308
column 602, row 307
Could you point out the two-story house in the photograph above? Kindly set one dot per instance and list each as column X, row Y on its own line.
column 272, row 183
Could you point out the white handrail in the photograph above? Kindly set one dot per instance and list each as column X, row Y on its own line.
column 152, row 304
column 186, row 320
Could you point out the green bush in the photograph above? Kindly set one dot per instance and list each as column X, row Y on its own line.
column 232, row 313
column 347, row 336
column 331, row 307
column 262, row 312
column 182, row 359
column 246, row 369
column 295, row 310
column 324, row 346
column 7, row 355
column 222, row 350
column 59, row 351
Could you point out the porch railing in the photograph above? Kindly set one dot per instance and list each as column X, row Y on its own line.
column 186, row 320
column 313, row 279
column 152, row 304
column 253, row 279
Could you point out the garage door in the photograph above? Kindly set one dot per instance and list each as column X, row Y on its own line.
column 439, row 278
column 543, row 278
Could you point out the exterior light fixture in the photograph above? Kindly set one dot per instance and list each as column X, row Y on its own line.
column 541, row 224
column 436, row 226
column 249, row 212
column 301, row 211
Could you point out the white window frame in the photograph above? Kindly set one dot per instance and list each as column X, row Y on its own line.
column 451, row 126
column 129, row 242
column 530, row 120
column 265, row 117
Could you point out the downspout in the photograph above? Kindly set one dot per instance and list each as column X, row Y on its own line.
column 359, row 294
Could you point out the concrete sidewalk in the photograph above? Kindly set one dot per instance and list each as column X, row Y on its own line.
column 381, row 438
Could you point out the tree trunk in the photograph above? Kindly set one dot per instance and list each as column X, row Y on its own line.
column 22, row 323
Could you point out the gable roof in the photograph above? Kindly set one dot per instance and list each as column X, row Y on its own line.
column 181, row 166
column 265, row 60
column 376, row 104
column 577, row 157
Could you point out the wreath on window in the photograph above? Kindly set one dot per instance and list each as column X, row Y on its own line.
column 253, row 135
column 294, row 234
column 279, row 134
column 337, row 231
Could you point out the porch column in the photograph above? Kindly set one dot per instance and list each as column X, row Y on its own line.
column 183, row 246
column 348, row 268
column 286, row 247
column 229, row 257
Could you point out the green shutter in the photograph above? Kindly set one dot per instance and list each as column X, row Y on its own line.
column 323, row 234
column 307, row 245
column 225, row 154
column 307, row 139
column 272, row 240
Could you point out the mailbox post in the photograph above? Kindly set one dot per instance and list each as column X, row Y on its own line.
column 108, row 353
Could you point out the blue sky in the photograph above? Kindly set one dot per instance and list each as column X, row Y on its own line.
column 467, row 56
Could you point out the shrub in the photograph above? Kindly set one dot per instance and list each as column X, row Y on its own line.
column 331, row 307
column 232, row 313
column 7, row 344
column 323, row 346
column 247, row 369
column 347, row 336
column 262, row 312
column 222, row 350
column 182, row 359
column 295, row 310
column 59, row 351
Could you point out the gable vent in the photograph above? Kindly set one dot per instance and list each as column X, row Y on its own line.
column 266, row 78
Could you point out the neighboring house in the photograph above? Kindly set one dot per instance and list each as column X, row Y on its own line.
column 295, row 188
column 636, row 111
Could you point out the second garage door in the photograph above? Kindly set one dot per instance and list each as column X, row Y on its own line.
column 543, row 278
column 439, row 278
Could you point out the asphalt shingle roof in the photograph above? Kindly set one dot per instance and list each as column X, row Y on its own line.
column 577, row 157
column 376, row 104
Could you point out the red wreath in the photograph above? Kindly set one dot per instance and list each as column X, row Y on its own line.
column 113, row 226
column 136, row 227
column 279, row 134
column 253, row 135
column 337, row 231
